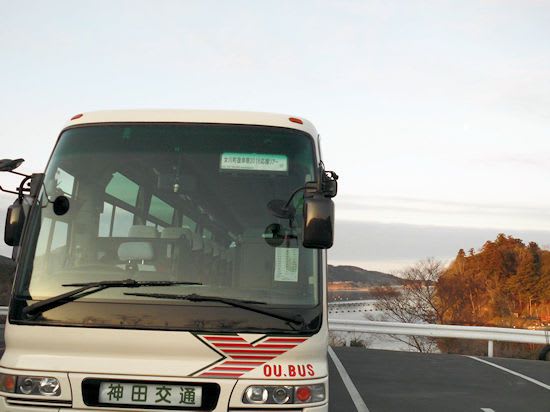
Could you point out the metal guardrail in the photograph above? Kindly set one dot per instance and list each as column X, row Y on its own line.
column 347, row 303
column 490, row 334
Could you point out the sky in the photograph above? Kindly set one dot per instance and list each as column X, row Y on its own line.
column 435, row 114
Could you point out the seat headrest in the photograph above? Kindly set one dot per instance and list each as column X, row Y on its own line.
column 142, row 231
column 216, row 249
column 135, row 251
column 197, row 242
column 172, row 233
column 208, row 246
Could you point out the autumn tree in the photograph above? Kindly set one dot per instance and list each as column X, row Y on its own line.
column 503, row 284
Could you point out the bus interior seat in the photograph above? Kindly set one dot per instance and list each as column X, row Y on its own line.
column 197, row 243
column 142, row 231
column 208, row 247
column 207, row 260
column 173, row 234
column 254, row 254
column 135, row 252
column 178, row 252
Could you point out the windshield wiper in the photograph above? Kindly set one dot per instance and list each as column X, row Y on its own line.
column 85, row 289
column 238, row 303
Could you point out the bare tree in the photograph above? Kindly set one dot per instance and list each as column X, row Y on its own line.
column 415, row 301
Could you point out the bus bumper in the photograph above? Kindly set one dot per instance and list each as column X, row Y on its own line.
column 8, row 407
column 321, row 408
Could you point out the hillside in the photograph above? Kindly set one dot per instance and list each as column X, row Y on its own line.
column 505, row 283
column 359, row 275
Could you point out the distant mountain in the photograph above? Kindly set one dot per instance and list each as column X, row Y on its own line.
column 356, row 274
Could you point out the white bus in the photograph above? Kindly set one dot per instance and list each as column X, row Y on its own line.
column 171, row 260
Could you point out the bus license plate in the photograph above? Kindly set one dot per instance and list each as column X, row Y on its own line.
column 122, row 393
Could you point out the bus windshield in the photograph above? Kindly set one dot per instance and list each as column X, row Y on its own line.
column 179, row 203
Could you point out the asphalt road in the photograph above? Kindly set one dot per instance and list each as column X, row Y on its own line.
column 402, row 381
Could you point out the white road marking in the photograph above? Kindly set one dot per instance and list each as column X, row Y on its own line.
column 352, row 390
column 487, row 410
column 527, row 378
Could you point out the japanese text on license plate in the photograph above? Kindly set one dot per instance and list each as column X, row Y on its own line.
column 149, row 394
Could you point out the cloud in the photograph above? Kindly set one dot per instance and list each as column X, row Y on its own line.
column 384, row 246
column 524, row 160
column 447, row 213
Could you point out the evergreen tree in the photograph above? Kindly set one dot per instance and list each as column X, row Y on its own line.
column 506, row 283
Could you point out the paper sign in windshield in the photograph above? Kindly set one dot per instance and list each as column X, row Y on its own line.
column 286, row 264
column 254, row 161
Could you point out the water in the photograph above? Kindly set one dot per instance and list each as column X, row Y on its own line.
column 365, row 310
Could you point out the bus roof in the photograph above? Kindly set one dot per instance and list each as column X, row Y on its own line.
column 194, row 116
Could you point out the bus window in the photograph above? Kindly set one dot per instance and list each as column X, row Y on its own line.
column 155, row 225
column 59, row 238
column 123, row 189
column 161, row 210
column 105, row 219
column 64, row 182
column 206, row 234
column 187, row 222
column 117, row 225
column 122, row 222
column 42, row 244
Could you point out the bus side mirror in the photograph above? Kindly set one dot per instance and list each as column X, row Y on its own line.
column 15, row 220
column 318, row 222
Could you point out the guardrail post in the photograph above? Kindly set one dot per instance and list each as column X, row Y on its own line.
column 348, row 339
column 490, row 348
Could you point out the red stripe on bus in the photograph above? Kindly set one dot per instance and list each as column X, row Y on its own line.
column 222, row 338
column 257, row 352
column 242, row 363
column 232, row 345
column 227, row 368
column 266, row 346
column 231, row 375
column 253, row 357
column 289, row 340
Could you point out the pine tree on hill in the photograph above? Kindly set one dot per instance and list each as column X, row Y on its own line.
column 506, row 283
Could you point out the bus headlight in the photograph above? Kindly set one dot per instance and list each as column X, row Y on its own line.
column 282, row 394
column 38, row 385
column 26, row 386
column 255, row 394
column 49, row 387
column 298, row 394
column 30, row 385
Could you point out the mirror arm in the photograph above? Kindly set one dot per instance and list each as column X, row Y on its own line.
column 292, row 196
column 327, row 176
column 8, row 191
column 17, row 173
column 20, row 188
